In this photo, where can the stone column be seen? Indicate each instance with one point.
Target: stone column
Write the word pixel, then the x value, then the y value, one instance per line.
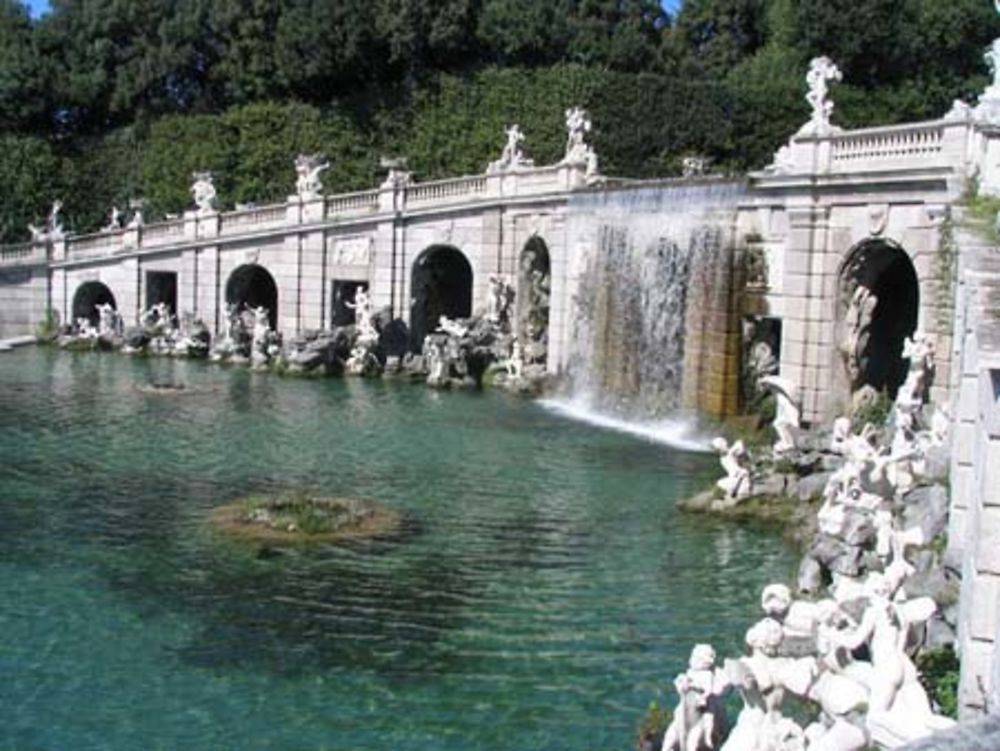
pixel 809 307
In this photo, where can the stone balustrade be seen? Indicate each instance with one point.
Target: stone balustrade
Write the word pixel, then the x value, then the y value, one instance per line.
pixel 162 233
pixel 23 254
pixel 94 245
pixel 235 222
pixel 902 144
pixel 352 204
pixel 445 191
pixel 229 224
pixel 929 145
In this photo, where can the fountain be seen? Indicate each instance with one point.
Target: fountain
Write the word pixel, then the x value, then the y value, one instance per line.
pixel 654 328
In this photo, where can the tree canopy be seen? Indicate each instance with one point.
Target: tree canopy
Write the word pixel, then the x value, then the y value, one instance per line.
pixel 101 100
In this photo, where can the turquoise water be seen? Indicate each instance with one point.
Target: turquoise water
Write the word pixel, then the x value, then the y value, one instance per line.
pixel 543 590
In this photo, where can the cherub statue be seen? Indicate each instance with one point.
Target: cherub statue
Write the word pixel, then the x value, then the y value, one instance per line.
pixel 114 220
pixel 307 169
pixel 821 71
pixel 203 191
pixel 898 708
pixel 787 414
pixel 699 721
pixel 735 461
pixel 452 327
pixel 578 125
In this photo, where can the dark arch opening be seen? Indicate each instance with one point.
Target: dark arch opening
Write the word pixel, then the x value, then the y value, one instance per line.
pixel 534 287
pixel 252 286
pixel 88 296
pixel 441 286
pixel 881 296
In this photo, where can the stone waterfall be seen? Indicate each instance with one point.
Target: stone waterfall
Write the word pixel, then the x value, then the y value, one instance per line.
pixel 654 317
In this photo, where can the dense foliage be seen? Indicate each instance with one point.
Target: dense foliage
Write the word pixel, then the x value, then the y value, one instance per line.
pixel 102 100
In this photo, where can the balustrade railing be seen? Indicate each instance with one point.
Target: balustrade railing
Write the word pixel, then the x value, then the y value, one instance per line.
pixel 162 233
pixel 21 253
pixel 260 216
pixel 345 204
pixel 895 144
pixel 94 245
pixel 445 189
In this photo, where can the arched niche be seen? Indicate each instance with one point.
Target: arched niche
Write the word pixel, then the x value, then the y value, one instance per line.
pixel 252 286
pixel 86 299
pixel 441 285
pixel 879 304
pixel 534 285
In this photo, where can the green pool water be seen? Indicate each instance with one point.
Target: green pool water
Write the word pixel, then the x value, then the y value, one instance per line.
pixel 543 591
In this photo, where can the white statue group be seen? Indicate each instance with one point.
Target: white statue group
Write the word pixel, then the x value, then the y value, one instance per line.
pixel 578 151
pixel 865 697
pixel 734 458
pixel 109 323
pixel 363 355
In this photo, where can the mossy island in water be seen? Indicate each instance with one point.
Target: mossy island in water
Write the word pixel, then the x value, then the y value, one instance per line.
pixel 303 518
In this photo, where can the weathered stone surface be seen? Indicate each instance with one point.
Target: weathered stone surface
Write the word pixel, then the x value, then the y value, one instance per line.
pixel 810 575
pixel 811 486
pixel 927 507
pixel 858 529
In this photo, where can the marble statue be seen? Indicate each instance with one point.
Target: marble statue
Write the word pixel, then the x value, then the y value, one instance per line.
pixel 760 725
pixel 86 330
pixel 735 462
pixel 512 157
pixel 307 170
pixel 261 326
pixel 821 71
pixel 857 322
pixel 54 223
pixel 920 351
pixel 891 542
pixel 904 450
pixel 699 720
pixel 52 230
pixel 110 322
pixel 937 436
pixel 499 302
pixel 987 109
pixel 515 363
pixel 787 413
pixel 841 436
pixel 203 192
pixel 694 166
pixel 363 317
pixel 452 327
pixel 435 350
pixel 992 58
pixel 898 708
pixel 114 220
pixel 578 125
pixel 797 617
pixel 137 219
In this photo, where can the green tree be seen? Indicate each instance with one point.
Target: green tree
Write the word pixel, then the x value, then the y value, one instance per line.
pixel 177 146
pixel 30 175
pixel 711 37
pixel 24 97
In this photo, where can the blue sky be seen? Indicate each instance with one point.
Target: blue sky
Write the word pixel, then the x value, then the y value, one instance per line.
pixel 40 6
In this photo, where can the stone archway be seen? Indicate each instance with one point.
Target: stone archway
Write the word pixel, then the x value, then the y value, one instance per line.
pixel 879 304
pixel 252 286
pixel 534 284
pixel 86 299
pixel 441 285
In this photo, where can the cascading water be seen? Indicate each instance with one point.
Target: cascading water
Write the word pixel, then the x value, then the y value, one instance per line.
pixel 650 303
